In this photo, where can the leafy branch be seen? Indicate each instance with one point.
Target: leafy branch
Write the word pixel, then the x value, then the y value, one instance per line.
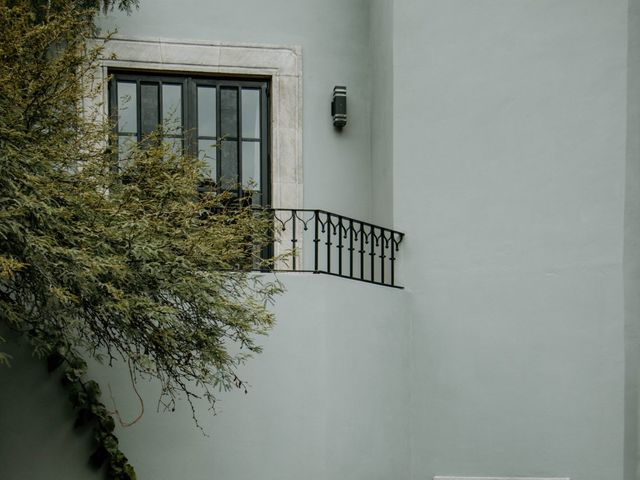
pixel 118 260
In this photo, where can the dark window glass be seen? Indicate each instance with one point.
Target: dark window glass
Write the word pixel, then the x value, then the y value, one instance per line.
pixel 149 114
pixel 229 164
pixel 229 111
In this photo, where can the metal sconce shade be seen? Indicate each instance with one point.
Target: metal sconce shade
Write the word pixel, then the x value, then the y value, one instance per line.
pixel 339 106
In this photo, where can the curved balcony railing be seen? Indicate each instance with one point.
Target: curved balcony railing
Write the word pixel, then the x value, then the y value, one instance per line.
pixel 323 242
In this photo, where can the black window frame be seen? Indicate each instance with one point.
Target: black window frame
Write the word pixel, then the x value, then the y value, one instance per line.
pixel 190 81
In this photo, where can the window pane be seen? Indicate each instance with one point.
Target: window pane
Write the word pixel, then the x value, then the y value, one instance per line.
pixel 251 165
pixel 206 111
pixel 229 111
pixel 149 107
pixel 207 153
pixel 127 107
pixel 229 164
pixel 222 111
pixel 250 113
pixel 172 108
pixel 125 144
pixel 174 144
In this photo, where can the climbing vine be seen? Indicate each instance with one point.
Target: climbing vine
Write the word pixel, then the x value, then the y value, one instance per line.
pixel 85 397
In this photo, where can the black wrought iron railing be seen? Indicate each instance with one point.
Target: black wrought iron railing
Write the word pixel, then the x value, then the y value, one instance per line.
pixel 318 241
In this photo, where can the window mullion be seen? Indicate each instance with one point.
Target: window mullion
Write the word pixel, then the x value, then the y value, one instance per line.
pixel 218 135
pixel 138 110
pixel 160 112
pixel 189 116
pixel 265 148
pixel 239 144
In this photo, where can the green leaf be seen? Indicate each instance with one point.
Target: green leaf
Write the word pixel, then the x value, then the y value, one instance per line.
pixel 5 359
pixel 129 263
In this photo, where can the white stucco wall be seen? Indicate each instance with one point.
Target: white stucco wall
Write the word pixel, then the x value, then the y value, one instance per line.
pixel 381 52
pixel 509 151
pixel 328 399
pixel 632 251
pixel 505 356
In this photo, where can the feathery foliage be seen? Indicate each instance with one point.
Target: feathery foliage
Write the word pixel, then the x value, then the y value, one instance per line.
pixel 114 263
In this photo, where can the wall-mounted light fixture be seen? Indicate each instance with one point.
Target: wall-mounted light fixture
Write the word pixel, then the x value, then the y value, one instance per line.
pixel 339 106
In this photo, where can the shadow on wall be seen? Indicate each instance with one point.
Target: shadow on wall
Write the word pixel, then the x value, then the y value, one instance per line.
pixel 36 421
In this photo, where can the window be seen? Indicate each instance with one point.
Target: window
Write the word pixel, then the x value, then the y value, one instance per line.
pixel 280 64
pixel 222 120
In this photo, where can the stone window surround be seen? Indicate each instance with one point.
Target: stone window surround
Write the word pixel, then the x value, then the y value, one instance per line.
pixel 283 64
